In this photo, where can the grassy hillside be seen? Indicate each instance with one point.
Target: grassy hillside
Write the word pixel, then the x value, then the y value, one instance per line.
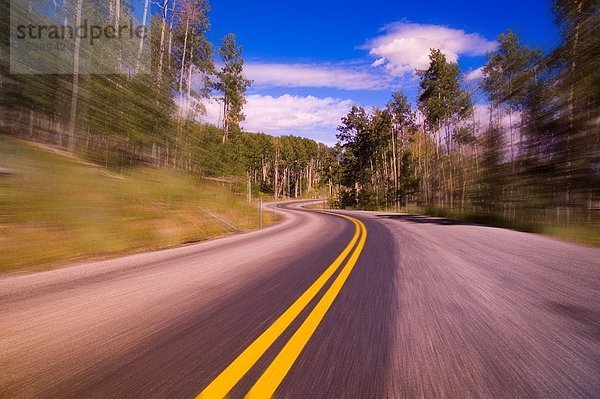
pixel 56 209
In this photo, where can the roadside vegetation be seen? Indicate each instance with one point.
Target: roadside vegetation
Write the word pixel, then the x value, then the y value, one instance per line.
pixel 56 208
pixel 528 159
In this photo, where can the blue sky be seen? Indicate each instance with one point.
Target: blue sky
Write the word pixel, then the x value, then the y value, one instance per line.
pixel 310 61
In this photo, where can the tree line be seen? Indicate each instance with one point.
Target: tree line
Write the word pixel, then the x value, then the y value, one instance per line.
pixel 131 107
pixel 533 156
pixel 154 116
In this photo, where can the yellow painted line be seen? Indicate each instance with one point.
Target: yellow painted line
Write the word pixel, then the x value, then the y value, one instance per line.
pixel 229 377
pixel 273 376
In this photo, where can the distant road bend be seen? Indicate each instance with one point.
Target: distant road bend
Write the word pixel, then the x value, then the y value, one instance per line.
pixel 345 305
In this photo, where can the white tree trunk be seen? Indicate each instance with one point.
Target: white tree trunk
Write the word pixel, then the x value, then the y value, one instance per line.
pixel 75 91
pixel 181 72
pixel 161 49
pixel 117 13
pixel 141 45
pixel 171 31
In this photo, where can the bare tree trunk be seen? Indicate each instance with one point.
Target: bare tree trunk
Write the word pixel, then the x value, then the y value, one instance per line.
pixel 572 112
pixel 161 48
pixel 276 182
pixel 225 118
pixel 141 45
pixel 189 83
pixel 75 90
pixel 187 24
pixel 296 187
pixel 464 186
pixel 117 13
pixel 180 89
pixel 395 169
pixel 31 119
pixel 249 186
pixel 171 31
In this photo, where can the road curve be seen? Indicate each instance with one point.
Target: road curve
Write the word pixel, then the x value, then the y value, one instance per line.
pixel 408 307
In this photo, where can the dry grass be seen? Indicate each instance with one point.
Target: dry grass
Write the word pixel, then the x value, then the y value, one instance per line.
pixel 56 209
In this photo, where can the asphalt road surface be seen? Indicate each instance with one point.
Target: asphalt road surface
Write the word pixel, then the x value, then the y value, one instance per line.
pixel 369 305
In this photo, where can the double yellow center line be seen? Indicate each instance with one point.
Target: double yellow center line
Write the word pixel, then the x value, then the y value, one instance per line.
pixel 275 373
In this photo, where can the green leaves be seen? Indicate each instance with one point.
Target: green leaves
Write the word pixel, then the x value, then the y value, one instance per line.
pixel 509 75
pixel 376 164
pixel 232 84
pixel 441 99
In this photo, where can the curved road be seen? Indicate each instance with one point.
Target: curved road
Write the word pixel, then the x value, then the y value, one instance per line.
pixel 363 305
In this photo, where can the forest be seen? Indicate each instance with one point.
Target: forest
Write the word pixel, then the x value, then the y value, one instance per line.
pixel 153 116
pixel 530 156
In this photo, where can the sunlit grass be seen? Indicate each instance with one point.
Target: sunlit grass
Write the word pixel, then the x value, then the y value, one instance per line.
pixel 582 234
pixel 56 209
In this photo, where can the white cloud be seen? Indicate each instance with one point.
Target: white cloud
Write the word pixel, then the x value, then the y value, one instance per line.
pixel 378 62
pixel 475 74
pixel 405 46
pixel 289 114
pixel 347 77
pixel 482 117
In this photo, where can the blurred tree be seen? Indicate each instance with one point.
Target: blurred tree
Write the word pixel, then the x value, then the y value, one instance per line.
pixel 508 77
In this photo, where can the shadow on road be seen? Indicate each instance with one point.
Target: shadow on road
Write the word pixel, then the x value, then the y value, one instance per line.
pixel 428 220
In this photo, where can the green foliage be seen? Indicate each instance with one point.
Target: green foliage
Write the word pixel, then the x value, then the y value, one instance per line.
pixel 376 164
pixel 441 98
pixel 509 74
pixel 562 114
pixel 534 166
pixel 232 84
pixel 130 119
